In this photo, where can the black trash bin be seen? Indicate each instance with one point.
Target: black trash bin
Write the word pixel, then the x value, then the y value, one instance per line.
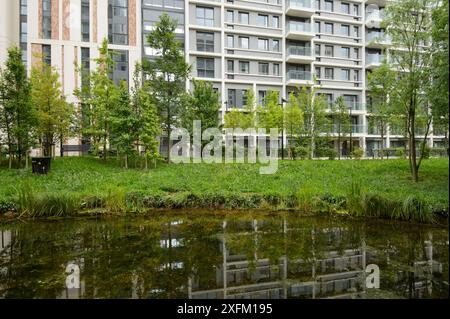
pixel 40 165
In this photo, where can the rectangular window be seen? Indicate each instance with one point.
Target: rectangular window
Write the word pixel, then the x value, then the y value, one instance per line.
pixel 85 20
pixel 205 16
pixel 230 41
pixel 329 28
pixel 231 98
pixel 318 72
pixel 329 50
pixel 317 4
pixel 345 8
pixel 263 44
pixel 356 75
pixel 275 22
pixel 205 42
pixel 230 16
pixel 329 5
pixel 243 17
pixel 329 73
pixel 263 20
pixel 85 66
pixel 329 99
pixel 244 97
pixel 263 68
pixel 118 21
pixel 317 26
pixel 276 69
pixel 205 67
pixel 345 52
pixel 276 45
pixel 317 49
pixel 230 66
pixel 47 54
pixel 356 10
pixel 355 31
pixel 345 29
pixel 244 42
pixel 244 67
pixel 262 97
pixel 47 19
pixel 356 53
pixel 121 68
pixel 345 74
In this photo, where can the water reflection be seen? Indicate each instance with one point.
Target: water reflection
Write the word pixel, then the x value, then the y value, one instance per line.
pixel 210 257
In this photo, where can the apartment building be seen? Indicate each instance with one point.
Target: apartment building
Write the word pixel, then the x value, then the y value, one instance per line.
pixel 238 45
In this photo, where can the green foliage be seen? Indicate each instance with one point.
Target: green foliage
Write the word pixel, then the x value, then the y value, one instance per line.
pixel 357 153
pixel 302 152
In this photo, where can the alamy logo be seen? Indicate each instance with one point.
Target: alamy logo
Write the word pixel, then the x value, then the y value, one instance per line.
pixel 73 279
pixel 373 276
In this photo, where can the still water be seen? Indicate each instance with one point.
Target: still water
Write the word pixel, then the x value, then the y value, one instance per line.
pixel 242 255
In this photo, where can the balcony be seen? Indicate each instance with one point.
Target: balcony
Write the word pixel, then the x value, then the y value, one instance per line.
pixel 297 54
pixel 299 8
pixel 296 77
pixel 377 40
pixel 374 17
pixel 356 129
pixel 299 31
pixel 355 106
pixel 374 60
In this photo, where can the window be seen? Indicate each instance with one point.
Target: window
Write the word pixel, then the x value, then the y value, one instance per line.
pixel 47 54
pixel 85 66
pixel 356 75
pixel 231 97
pixel 345 7
pixel 263 68
pixel 244 67
pixel 205 41
pixel 230 16
pixel 262 97
pixel 276 45
pixel 276 69
pixel 345 29
pixel 345 52
pixel 244 97
pixel 329 50
pixel 120 71
pixel 118 21
pixel 275 22
pixel 329 99
pixel 317 26
pixel 230 66
pixel 318 72
pixel 345 74
pixel 329 73
pixel 46 19
pixel 355 31
pixel 356 10
pixel 328 5
pixel 329 28
pixel 244 42
pixel 263 20
pixel 317 49
pixel 85 20
pixel 205 67
pixel 230 41
pixel 263 44
pixel 243 17
pixel 205 16
pixel 356 53
pixel 317 4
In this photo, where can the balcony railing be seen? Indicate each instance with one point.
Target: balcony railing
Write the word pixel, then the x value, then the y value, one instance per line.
pixel 298 75
pixel 299 27
pixel 296 50
pixel 378 37
pixel 374 58
pixel 356 128
pixel 299 4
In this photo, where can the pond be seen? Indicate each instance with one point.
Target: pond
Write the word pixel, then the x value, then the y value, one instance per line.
pixel 239 255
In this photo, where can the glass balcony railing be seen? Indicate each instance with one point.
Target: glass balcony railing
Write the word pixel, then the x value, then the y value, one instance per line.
pixel 299 27
pixel 298 75
pixel 298 4
pixel 378 37
pixel 296 50
pixel 374 58
pixel 355 106
pixel 356 128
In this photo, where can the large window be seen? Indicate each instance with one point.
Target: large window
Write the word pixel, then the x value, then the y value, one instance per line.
pixel 345 7
pixel 345 29
pixel 23 29
pixel 329 28
pixel 345 52
pixel 275 22
pixel 276 69
pixel 121 69
pixel 263 68
pixel 230 41
pixel 118 21
pixel 243 17
pixel 205 67
pixel 85 20
pixel 328 5
pixel 230 16
pixel 276 45
pixel 329 50
pixel 85 66
pixel 205 41
pixel 205 16
pixel 263 44
pixel 231 97
pixel 329 73
pixel 244 42
pixel 47 54
pixel 263 20
pixel 230 66
pixel 47 19
pixel 345 74
pixel 244 67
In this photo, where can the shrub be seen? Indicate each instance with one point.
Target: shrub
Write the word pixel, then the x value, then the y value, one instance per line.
pixel 357 153
pixel 332 153
pixel 7 206
pixel 302 152
pixel 426 152
pixel 400 152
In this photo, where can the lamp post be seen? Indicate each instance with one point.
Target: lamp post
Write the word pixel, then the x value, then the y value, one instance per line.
pixel 283 100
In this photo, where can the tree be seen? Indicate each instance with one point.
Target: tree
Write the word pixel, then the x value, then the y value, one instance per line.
pixel 166 73
pixel 271 115
pixel 54 115
pixel 150 129
pixel 202 104
pixel 341 119
pixel 98 98
pixel 293 121
pixel 243 119
pixel 17 116
pixel 124 124
pixel 408 24
pixel 313 107
pixel 381 85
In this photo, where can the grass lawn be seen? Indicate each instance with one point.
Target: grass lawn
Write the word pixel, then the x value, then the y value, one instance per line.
pixel 91 177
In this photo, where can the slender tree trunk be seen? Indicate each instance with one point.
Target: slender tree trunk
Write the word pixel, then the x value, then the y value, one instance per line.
pixel 146 161
pixel 61 144
pixel 126 161
pixel 412 145
pixel 382 141
pixel 339 141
